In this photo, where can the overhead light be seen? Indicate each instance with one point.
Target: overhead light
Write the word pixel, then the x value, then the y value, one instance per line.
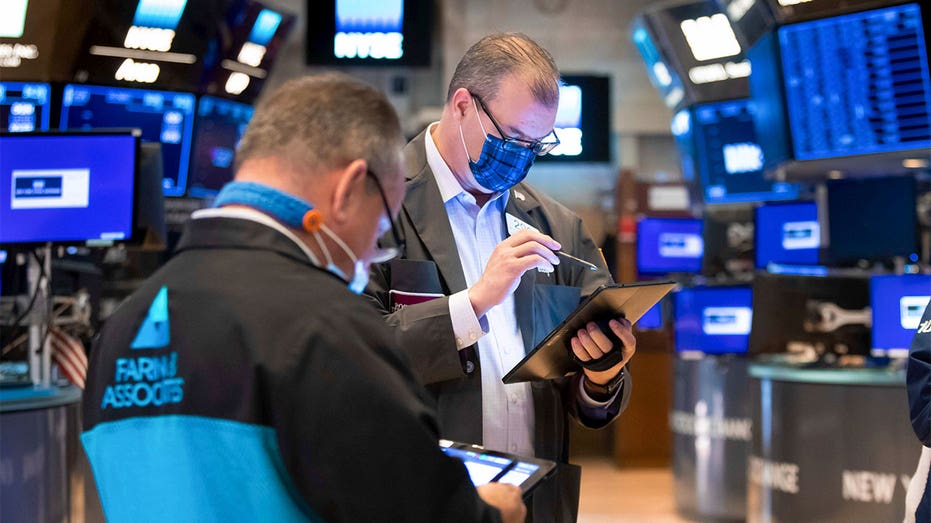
pixel 915 163
pixel 710 37
pixel 13 18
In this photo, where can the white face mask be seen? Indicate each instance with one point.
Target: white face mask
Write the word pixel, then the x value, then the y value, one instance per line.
pixel 360 276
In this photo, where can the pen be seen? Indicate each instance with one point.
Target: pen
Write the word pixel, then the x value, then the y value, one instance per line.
pixel 591 266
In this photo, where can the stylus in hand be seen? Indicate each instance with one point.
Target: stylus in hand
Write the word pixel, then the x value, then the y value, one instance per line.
pixel 591 266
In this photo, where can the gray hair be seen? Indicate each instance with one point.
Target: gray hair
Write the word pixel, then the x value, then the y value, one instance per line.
pixel 498 55
pixel 322 122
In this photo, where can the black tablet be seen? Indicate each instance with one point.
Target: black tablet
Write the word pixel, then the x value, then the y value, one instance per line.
pixel 487 466
pixel 552 357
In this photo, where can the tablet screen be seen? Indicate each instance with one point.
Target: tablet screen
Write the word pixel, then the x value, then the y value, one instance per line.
pixel 482 468
pixel 486 466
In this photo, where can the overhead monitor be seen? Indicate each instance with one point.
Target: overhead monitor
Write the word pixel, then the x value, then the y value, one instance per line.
pixel 667 245
pixel 255 33
pixel 163 116
pixel 369 32
pixel 697 41
pixel 729 158
pixel 663 77
pixel 219 127
pixel 872 219
pixel 713 320
pixel 787 233
pixel 857 83
pixel 898 303
pixel 82 193
pixel 751 19
pixel 583 120
pixel 24 107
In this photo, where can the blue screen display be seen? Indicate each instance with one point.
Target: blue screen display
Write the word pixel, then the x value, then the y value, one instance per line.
pixel 787 233
pixel 667 245
pixel 24 107
pixel 220 125
pixel 872 219
pixel 653 318
pixel 162 116
pixel 713 320
pixel 857 83
pixel 898 303
pixel 82 192
pixel 729 158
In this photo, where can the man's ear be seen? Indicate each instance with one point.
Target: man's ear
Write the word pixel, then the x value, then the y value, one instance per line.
pixel 461 103
pixel 349 191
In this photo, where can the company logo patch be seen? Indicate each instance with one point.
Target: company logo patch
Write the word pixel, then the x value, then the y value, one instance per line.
pixel 155 332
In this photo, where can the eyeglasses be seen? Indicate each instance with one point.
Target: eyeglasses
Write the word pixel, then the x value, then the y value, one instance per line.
pixel 539 147
pixel 398 242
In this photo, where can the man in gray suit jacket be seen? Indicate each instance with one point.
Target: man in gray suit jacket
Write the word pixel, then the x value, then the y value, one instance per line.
pixel 479 282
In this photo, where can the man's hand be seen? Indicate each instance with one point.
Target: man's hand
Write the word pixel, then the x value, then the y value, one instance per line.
pixel 509 261
pixel 507 499
pixel 591 344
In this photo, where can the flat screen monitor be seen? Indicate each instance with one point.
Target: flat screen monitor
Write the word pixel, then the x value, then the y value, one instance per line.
pixel 857 83
pixel 165 117
pixel 787 233
pixel 872 219
pixel 898 303
pixel 666 245
pixel 583 120
pixel 82 193
pixel 219 126
pixel 713 320
pixel 826 314
pixel 369 32
pixel 729 158
pixel 24 107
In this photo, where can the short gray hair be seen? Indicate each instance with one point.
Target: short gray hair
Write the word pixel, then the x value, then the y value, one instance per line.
pixel 498 55
pixel 323 122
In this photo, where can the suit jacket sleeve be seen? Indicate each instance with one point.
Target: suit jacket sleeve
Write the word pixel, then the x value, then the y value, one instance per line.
pixel 918 380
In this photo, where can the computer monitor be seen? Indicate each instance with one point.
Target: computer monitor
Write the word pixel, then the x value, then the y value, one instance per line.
pixel 219 126
pixel 872 219
pixel 787 233
pixel 825 313
pixel 24 107
pixel 166 117
pixel 713 320
pixel 370 32
pixel 857 83
pixel 666 245
pixel 898 303
pixel 82 193
pixel 729 158
pixel 651 319
pixel 583 120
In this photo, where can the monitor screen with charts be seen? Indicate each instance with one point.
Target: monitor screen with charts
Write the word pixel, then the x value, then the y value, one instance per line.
pixel 84 192
pixel 24 107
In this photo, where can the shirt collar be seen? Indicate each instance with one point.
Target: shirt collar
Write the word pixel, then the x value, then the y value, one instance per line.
pixel 445 179
pixel 258 217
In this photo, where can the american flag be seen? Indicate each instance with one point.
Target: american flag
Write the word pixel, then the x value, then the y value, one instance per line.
pixel 68 352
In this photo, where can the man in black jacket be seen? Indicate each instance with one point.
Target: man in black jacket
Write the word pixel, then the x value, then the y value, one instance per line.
pixel 245 380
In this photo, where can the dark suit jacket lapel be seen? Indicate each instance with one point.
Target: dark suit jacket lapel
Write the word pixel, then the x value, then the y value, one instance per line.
pixel 520 205
pixel 423 203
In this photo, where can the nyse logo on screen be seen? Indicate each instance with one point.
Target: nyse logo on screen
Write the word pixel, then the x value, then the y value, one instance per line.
pixel 369 29
pixel 50 189
pixel 801 235
pixel 911 309
pixel 729 321
pixel 680 245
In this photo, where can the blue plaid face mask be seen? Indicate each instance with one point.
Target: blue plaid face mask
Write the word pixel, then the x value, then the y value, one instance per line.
pixel 501 165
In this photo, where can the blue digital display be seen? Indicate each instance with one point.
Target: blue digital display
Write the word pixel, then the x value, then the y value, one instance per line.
pixel 24 107
pixel 82 192
pixel 370 16
pixel 266 24
pixel 160 14
pixel 652 319
pixel 667 245
pixel 713 320
pixel 220 126
pixel 857 83
pixel 898 303
pixel 165 117
pixel 787 234
pixel 729 159
pixel 662 77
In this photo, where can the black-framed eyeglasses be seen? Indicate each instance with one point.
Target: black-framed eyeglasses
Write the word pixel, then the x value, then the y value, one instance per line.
pixel 539 147
pixel 398 242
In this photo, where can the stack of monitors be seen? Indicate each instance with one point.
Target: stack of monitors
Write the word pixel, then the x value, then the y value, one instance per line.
pixel 165 117
pixel 898 303
pixel 219 127
pixel 857 83
pixel 81 193
pixel 669 245
pixel 713 320
pixel 24 107
pixel 787 233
